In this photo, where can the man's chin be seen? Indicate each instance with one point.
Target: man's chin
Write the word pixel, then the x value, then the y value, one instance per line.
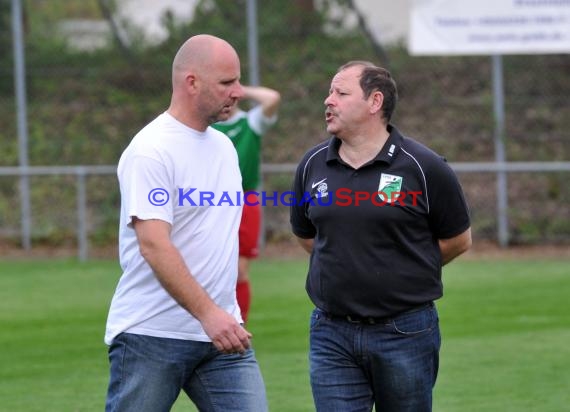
pixel 222 116
pixel 225 113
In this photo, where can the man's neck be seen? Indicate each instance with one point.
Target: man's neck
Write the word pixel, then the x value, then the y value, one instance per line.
pixel 360 150
pixel 187 119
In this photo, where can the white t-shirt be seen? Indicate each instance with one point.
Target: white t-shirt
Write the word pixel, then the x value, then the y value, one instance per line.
pixel 168 162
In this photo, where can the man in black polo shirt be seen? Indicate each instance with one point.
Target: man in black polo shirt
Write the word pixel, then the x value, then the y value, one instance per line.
pixel 380 215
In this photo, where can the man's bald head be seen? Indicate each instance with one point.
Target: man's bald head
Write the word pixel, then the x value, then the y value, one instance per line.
pixel 205 81
pixel 198 54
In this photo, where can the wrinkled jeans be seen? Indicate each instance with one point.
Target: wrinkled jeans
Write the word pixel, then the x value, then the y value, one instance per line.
pixel 147 374
pixel 392 364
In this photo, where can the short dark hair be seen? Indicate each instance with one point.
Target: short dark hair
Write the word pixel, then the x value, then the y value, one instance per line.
pixel 376 78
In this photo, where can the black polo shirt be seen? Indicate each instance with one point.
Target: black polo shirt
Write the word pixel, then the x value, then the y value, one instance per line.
pixel 376 228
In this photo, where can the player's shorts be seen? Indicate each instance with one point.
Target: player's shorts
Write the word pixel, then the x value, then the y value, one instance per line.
pixel 249 230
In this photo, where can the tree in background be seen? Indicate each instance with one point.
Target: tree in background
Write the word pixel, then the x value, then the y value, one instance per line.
pixel 5 47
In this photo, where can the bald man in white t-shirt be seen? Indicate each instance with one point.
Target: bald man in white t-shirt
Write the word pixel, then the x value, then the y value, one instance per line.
pixel 174 323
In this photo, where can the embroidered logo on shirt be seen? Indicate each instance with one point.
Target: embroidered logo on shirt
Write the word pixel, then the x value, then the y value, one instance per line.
pixel 313 185
pixel 390 187
pixel 322 188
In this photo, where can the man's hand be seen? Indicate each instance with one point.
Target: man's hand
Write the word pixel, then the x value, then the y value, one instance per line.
pixel 227 335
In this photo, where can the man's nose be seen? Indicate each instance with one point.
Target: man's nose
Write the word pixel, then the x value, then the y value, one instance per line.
pixel 238 93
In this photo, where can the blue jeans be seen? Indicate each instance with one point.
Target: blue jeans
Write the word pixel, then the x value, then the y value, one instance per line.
pixel 147 374
pixel 392 365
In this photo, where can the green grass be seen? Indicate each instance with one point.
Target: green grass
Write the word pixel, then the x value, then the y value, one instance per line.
pixel 505 325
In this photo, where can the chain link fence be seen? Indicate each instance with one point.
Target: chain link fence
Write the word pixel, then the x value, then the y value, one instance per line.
pixel 84 106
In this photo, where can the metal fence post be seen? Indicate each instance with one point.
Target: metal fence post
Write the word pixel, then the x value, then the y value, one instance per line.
pixel 254 80
pixel 21 118
pixel 499 110
pixel 82 240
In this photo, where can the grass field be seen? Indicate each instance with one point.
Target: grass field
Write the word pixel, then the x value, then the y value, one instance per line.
pixel 505 325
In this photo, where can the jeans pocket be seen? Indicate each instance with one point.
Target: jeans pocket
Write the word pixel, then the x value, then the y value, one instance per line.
pixel 416 322
pixel 316 317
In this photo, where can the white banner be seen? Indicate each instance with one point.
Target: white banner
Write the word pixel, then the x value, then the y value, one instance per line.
pixel 471 27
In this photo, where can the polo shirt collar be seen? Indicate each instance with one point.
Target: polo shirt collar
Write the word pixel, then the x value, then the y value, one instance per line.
pixel 387 154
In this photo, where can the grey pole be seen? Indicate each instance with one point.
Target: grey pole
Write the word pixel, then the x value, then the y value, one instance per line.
pixel 82 238
pixel 254 78
pixel 252 43
pixel 499 111
pixel 21 117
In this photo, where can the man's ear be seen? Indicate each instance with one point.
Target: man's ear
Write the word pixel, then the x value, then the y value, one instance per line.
pixel 376 102
pixel 191 83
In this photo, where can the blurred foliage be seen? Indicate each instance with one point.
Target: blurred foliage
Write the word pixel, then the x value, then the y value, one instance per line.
pixel 84 107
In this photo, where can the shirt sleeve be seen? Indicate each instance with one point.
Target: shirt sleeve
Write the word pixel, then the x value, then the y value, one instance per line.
pixel 146 190
pixel 301 225
pixel 449 213
pixel 258 122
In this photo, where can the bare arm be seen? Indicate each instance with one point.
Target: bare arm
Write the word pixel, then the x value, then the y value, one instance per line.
pixel 269 99
pixel 306 244
pixel 455 246
pixel 173 274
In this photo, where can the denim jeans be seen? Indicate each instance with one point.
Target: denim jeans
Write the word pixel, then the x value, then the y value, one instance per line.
pixel 147 374
pixel 392 365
